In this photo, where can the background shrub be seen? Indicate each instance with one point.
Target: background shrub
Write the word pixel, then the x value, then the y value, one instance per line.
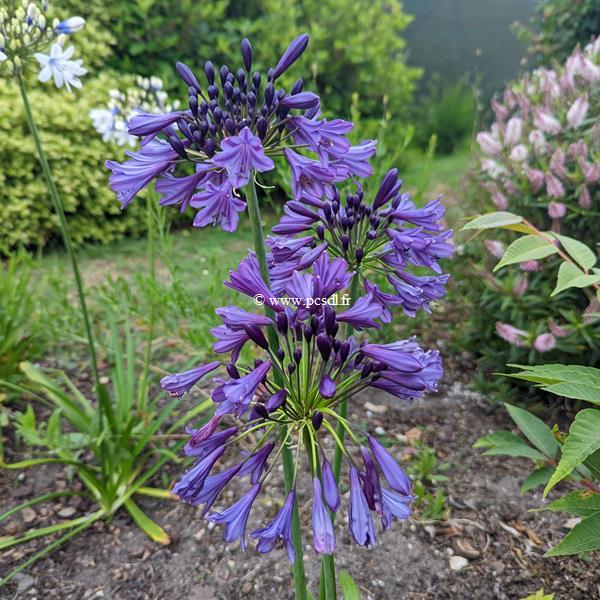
pixel 539 160
pixel 558 25
pixel 76 154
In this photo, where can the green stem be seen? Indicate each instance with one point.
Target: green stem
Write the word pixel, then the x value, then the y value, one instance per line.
pixel 343 406
pixel 287 456
pixel 151 256
pixel 64 226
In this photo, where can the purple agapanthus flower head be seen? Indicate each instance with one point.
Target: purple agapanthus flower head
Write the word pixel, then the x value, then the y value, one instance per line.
pixel 233 127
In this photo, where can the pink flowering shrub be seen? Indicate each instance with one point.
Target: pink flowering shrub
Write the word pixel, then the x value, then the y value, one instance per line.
pixel 540 159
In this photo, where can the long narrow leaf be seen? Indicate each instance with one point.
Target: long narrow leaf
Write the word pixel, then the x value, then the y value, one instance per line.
pixel 148 526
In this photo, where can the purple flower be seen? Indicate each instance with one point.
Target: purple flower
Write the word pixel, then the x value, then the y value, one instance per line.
pixel 148 124
pixel 544 342
pixel 399 356
pixel 327 387
pixel 511 334
pixel 394 506
pixel 133 175
pixel 330 488
pixel 235 517
pixel 331 275
pixel 417 292
pixel 371 485
pixel 219 206
pixel 357 159
pixel 276 400
pixel 248 280
pixel 257 463
pixel 326 138
pixel 229 340
pixel 301 100
pixel 290 56
pixel 235 396
pixel 363 313
pixel 237 318
pixel 240 154
pixel 178 190
pixel 181 383
pixel 384 299
pixel 213 486
pixel 427 217
pixel 201 447
pixel 323 534
pixel 393 473
pixel 284 248
pixel 193 479
pixel 280 528
pixel 360 522
pixel 310 178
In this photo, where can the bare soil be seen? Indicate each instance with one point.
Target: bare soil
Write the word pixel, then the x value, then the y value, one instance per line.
pixel 489 522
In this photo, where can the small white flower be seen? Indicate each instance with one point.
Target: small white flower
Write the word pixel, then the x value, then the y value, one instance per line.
pixel 59 66
pixel 519 153
pixel 104 122
pixel 3 56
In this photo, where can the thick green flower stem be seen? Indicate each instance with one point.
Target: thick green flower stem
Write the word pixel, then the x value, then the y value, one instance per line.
pixel 287 456
pixel 64 227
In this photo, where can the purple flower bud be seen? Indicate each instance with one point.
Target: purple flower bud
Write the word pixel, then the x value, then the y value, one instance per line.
pixel 297 87
pixel 359 254
pixel 297 355
pixel 291 368
pixel 280 355
pixel 276 400
pixel 317 420
pixel 179 384
pixel 256 80
pixel 223 73
pixel 393 473
pixel 344 351
pixel 247 54
pixel 205 431
pixel 371 485
pixel 387 188
pixel 323 534
pixel 261 411
pixel 256 335
pixel 186 74
pixel 290 56
pixel 327 387
pixel 194 105
pixel 261 127
pixel 324 345
pixel 232 371
pixel 269 94
pixel 330 488
pixel 282 323
pixel 300 100
pixel 209 71
pixel 329 320
pixel 256 464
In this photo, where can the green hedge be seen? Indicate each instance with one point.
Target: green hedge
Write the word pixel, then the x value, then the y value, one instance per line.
pixel 76 154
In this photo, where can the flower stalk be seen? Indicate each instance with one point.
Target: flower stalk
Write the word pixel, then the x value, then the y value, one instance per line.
pixel 287 455
pixel 64 226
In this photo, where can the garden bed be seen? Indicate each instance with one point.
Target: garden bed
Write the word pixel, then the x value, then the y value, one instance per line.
pixel 490 546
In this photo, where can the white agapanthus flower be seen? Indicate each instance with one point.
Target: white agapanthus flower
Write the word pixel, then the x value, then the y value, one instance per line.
pixel 58 65
pixel 3 56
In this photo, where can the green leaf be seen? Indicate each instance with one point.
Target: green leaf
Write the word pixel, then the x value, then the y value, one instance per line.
pixel 528 247
pixel 154 531
pixel 577 391
pixel 522 450
pixel 539 595
pixel 584 537
pixel 535 478
pixel 349 587
pixel 534 429
pixel 579 252
pixel 570 275
pixel 498 438
pixel 592 463
pixel 582 503
pixel 491 220
pixel 582 441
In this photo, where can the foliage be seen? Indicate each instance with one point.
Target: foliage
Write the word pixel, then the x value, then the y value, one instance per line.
pixel 448 112
pixel 20 332
pixel 539 160
pixel 579 449
pixel 369 59
pixel 112 448
pixel 76 154
pixel 557 26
